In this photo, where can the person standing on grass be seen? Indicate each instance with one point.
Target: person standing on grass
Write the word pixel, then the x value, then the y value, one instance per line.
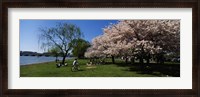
pixel 75 63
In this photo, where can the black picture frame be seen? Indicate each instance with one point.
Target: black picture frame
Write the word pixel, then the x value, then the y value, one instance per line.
pixel 194 4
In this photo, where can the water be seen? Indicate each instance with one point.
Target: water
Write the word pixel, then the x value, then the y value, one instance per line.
pixel 25 60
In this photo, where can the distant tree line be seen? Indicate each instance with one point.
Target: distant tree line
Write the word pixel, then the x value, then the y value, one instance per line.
pixel 30 53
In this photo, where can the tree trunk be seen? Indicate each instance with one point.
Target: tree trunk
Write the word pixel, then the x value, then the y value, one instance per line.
pixel 103 61
pixel 93 60
pixel 162 58
pixel 148 58
pixel 64 56
pixel 141 60
pixel 142 56
pixel 142 63
pixel 132 60
pixel 113 60
pixel 157 60
pixel 79 56
pixel 90 59
pixel 126 60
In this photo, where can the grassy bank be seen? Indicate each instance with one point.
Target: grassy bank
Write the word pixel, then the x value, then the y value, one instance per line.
pixel 119 69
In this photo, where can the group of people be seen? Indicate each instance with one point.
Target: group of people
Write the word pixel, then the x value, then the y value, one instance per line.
pixel 75 62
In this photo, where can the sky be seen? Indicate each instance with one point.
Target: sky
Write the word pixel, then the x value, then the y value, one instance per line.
pixel 29 30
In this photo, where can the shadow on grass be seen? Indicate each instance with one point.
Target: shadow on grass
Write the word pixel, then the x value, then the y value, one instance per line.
pixel 166 69
pixel 81 70
pixel 153 69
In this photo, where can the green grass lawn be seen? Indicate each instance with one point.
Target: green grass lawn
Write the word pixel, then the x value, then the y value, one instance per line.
pixel 119 69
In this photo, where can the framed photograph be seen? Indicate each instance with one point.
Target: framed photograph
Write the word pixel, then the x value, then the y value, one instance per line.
pixel 98 48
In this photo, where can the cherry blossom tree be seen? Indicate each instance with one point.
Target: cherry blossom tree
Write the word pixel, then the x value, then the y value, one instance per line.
pixel 97 50
pixel 138 38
